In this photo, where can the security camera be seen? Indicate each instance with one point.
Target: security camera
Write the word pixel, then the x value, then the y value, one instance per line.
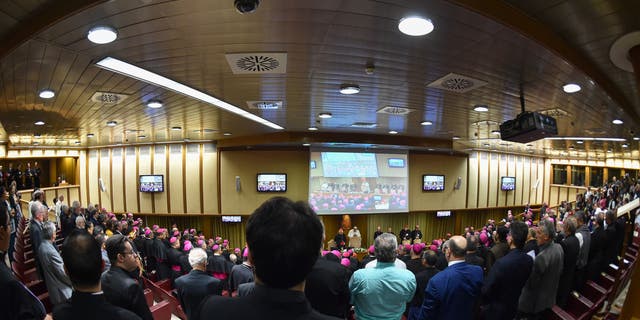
pixel 246 6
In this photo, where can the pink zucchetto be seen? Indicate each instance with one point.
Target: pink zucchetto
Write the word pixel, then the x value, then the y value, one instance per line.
pixel 225 241
pixel 130 215
pixel 192 231
pixel 200 243
pixel 346 254
pixel 417 248
pixel 173 240
pixel 483 237
pixel 433 247
pixel 176 233
pixel 147 232
pixel 215 247
pixel 345 262
pixel 236 250
pixel 324 252
pixel 135 223
pixel 187 246
pixel 407 247
pixel 336 253
pixel 372 249
pixel 245 252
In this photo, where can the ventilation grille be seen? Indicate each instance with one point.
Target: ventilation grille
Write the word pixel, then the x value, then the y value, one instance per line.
pixel 367 125
pixel 394 110
pixel 457 83
pixel 556 113
pixel 264 105
pixel 257 63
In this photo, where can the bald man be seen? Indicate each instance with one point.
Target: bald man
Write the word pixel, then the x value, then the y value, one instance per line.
pixel 451 294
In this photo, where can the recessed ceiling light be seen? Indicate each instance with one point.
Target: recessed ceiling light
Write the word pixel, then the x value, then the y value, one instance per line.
pixel 313 128
pixel 636 138
pixel 77 142
pixel 617 121
pixel 349 88
pixel 609 151
pixel 579 142
pixel 37 135
pixel 415 26
pixel 90 135
pixel 39 123
pixel 571 88
pixel 496 132
pixel 426 123
pixel 102 34
pixel 142 136
pixel 481 108
pixel 154 104
pixel 176 128
pixel 36 143
pixel 571 147
pixel 306 144
pixel 624 145
pixel 227 133
pixel 393 132
pixel 47 94
pixel 529 145
pixel 455 138
pixel 147 76
pixel 325 115
pixel 487 145
pixel 112 123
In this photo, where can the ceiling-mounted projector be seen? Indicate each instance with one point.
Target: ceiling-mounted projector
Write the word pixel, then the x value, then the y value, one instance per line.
pixel 528 127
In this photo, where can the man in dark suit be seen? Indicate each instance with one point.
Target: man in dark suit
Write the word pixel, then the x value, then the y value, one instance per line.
pixel 452 293
pixel 571 249
pixel 16 301
pixel 281 265
pixel 82 258
pixel 327 288
pixel 197 284
pixel 119 287
pixel 504 282
pixel 429 259
pixel 597 249
pixel 472 256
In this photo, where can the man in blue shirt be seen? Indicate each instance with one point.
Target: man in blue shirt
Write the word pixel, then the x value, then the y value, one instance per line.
pixel 382 292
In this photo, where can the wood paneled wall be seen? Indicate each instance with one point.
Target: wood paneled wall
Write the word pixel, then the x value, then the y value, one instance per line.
pixel 451 167
pixel 189 171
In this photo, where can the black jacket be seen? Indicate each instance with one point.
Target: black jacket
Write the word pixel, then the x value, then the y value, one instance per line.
pixel 571 248
pixel 193 287
pixel 327 288
pixel 90 306
pixel 16 301
pixel 123 291
pixel 503 285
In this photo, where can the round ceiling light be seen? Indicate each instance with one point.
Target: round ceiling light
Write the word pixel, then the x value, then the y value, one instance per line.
pixel 415 26
pixel 325 115
pixel 617 121
pixel 142 136
pixel 455 138
pixel 313 128
pixel 102 34
pixel 227 134
pixel 306 144
pixel 112 123
pixel 481 108
pixel 571 88
pixel 39 123
pixel 426 123
pixel 154 104
pixel 47 94
pixel 496 132
pixel 349 89
pixel 393 132
pixel 176 128
pixel 636 138
pixel 90 135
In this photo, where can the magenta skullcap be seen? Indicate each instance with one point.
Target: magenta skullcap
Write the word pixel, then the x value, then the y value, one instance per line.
pixel 147 232
pixel 483 237
pixel 187 245
pixel 225 241
pixel 346 254
pixel 324 252
pixel 173 240
pixel 372 249
pixel 417 248
pixel 155 227
pixel 193 231
pixel 215 247
pixel 236 250
pixel 135 228
pixel 245 252
pixel 176 233
pixel 433 247
pixel 407 247
pixel 336 253
pixel 528 223
pixel 345 262
pixel 135 223
pixel 130 215
pixel 200 243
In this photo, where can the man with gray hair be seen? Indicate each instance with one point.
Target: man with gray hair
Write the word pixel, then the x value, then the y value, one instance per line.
pixel 58 283
pixel 539 293
pixel 81 223
pixel 382 292
pixel 197 284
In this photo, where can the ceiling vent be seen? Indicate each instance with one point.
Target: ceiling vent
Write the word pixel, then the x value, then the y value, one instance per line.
pixel 394 110
pixel 364 125
pixel 457 83
pixel 257 63
pixel 556 113
pixel 264 105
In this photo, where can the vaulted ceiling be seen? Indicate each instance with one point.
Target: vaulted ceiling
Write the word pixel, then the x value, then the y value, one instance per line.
pixel 498 48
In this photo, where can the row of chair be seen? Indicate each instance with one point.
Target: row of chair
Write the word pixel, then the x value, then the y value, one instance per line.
pixel 164 296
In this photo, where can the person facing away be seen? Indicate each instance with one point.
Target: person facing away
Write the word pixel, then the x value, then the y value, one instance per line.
pixel 452 293
pixel 281 265
pixel 119 287
pixel 83 263
pixel 502 286
pixel 382 292
pixel 197 284
pixel 429 259
pixel 58 284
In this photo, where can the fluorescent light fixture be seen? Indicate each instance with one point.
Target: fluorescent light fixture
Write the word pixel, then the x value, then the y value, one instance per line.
pixel 37 135
pixel 586 139
pixel 154 104
pixel 142 136
pixel 415 26
pixel 487 145
pixel 47 94
pixel 636 138
pixel 306 144
pixel 227 133
pixel 36 143
pixel 325 115
pixel 617 121
pixel 349 88
pixel 426 123
pixel 132 71
pixel 77 142
pixel 112 123
pixel 579 141
pixel 90 135
pixel 313 128
pixel 176 128
pixel 393 132
pixel 102 34
pixel 481 108
pixel 624 145
pixel 571 88
pixel 496 132
pixel 39 123
pixel 455 138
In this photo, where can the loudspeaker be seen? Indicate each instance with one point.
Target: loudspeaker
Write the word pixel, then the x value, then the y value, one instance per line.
pixel 238 186
pixel 458 183
pixel 101 185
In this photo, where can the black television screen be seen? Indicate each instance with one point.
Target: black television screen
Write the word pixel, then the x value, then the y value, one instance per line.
pixel 395 162
pixel 432 182
pixel 272 182
pixel 151 183
pixel 507 183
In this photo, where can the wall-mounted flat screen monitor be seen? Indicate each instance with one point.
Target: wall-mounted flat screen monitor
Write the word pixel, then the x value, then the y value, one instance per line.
pixel 507 183
pixel 312 164
pixel 231 219
pixel 396 163
pixel 151 183
pixel 352 181
pixel 272 182
pixel 432 182
pixel 446 213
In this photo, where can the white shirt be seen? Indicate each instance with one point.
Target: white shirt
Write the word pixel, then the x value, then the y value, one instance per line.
pixel 354 233
pixel 398 263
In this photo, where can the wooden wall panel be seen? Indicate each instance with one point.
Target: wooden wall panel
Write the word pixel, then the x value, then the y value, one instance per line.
pixel 511 171
pixel 451 167
pixel 545 175
pixel 526 180
pixel 144 167
pixel 174 171
pixel 93 177
pixel 131 179
pixel 105 174
pixel 117 184
pixel 192 178
pixel 493 188
pixel 73 195
pixel 563 195
pixel 160 199
pixel 210 178
pixel 82 166
pixel 472 181
pixel 484 180
pixel 518 167
pixel 503 160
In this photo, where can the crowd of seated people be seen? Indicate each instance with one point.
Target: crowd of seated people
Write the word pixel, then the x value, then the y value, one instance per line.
pixel 274 276
pixel 324 202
